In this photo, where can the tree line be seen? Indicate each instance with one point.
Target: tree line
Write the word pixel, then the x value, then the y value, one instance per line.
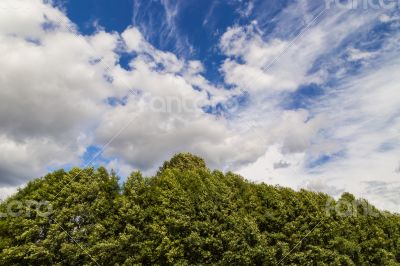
pixel 188 215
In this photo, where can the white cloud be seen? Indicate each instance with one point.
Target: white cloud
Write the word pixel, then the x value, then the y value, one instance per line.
pixel 167 118
pixel 266 64
pixel 263 170
pixel 52 92
pixel 385 18
pixel 367 126
pixel 355 124
pixel 134 40
pixel 55 84
pixel 21 160
pixel 6 192
pixel 357 55
pixel 162 25
pixel 320 185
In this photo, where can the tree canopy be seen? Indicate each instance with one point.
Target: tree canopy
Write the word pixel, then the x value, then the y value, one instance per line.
pixel 189 215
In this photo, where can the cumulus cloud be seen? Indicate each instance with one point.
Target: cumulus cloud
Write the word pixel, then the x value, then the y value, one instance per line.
pixel 167 114
pixel 57 85
pixel 51 89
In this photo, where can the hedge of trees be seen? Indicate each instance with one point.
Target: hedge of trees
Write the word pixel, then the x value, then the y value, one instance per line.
pixel 189 215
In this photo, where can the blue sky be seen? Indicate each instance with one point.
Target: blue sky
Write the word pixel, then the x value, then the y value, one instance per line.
pixel 300 93
pixel 193 32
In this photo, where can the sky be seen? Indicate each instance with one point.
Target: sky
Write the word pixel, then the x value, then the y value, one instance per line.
pixel 303 94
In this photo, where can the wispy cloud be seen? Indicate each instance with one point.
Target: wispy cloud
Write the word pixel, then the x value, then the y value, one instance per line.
pixel 357 112
pixel 158 23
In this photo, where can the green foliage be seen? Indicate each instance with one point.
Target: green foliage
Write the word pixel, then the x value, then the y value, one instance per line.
pixel 184 162
pixel 189 215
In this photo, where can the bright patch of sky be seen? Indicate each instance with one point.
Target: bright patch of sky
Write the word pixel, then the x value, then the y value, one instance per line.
pixel 301 93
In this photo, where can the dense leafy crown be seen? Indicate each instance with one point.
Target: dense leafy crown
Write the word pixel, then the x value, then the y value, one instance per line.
pixel 189 215
pixel 184 162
